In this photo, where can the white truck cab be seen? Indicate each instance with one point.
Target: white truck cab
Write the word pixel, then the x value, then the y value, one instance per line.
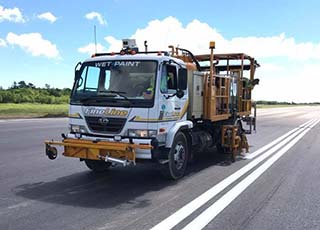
pixel 128 98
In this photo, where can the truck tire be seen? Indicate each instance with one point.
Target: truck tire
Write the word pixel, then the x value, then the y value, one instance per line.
pixel 177 158
pixel 97 165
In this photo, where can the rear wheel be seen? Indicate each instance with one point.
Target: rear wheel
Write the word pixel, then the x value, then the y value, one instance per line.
pixel 97 165
pixel 177 158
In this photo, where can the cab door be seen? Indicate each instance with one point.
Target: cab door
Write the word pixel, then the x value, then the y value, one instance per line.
pixel 171 107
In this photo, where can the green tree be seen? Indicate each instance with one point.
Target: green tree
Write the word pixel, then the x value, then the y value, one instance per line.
pixel 22 84
pixel 28 93
pixel 32 86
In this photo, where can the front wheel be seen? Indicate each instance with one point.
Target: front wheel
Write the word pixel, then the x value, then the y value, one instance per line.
pixel 97 165
pixel 177 158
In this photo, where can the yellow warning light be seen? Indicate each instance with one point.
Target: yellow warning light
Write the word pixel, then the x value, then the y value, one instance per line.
pixel 212 45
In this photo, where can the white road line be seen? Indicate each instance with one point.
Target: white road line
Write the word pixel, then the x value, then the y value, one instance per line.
pixel 210 213
pixel 261 150
pixel 20 205
pixel 189 208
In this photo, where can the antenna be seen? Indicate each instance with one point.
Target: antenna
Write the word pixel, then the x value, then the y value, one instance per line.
pixel 95 38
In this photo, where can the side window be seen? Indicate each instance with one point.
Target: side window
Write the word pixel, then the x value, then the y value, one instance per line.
pixel 163 83
pixel 168 78
pixel 107 80
pixel 81 81
pixel 172 77
pixel 92 78
pixel 89 79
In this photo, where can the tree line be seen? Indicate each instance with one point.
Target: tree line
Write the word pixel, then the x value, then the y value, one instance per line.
pixel 22 92
pixel 284 103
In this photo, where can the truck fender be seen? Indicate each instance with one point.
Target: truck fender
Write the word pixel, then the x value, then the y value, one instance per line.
pixel 176 128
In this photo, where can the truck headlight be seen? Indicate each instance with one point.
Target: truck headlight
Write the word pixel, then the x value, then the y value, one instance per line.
pixel 77 129
pixel 142 133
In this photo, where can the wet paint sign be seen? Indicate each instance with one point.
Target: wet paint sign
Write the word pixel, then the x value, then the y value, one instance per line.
pixel 118 63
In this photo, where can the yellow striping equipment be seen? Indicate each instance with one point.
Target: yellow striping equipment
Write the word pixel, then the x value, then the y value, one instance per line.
pixel 95 150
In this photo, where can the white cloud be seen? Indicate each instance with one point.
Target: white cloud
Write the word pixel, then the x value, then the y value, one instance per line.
pixel 47 16
pixel 96 15
pixel 276 46
pixel 33 43
pixel 270 67
pixel 280 81
pixel 295 82
pixel 2 42
pixel 114 44
pixel 196 35
pixel 91 49
pixel 12 15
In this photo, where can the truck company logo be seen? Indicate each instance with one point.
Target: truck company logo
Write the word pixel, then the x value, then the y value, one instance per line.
pixel 106 112
pixel 118 63
pixel 103 121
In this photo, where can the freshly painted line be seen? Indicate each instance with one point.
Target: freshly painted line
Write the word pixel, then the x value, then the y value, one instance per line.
pixel 210 213
pixel 20 205
pixel 189 208
pixel 261 150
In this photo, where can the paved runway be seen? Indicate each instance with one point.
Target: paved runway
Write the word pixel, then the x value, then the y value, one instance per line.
pixel 276 186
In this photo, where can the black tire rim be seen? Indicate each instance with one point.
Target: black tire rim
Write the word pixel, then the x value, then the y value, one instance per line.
pixel 179 156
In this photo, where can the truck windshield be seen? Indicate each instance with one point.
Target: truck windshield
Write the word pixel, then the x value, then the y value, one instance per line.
pixel 115 82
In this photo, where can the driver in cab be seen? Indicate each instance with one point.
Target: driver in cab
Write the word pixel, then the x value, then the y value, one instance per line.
pixel 149 92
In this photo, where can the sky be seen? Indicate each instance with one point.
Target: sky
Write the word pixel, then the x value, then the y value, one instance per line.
pixel 42 41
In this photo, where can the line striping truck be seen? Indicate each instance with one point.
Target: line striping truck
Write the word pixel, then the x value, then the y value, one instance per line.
pixel 165 107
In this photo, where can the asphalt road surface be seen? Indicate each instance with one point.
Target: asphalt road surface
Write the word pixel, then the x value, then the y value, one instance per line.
pixel 275 186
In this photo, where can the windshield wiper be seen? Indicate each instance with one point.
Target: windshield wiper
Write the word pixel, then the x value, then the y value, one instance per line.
pixel 119 93
pixel 95 98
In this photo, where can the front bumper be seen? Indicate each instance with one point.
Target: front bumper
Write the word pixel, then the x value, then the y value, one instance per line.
pixel 97 149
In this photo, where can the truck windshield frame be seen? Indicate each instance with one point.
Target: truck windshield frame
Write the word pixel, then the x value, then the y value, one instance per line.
pixel 123 83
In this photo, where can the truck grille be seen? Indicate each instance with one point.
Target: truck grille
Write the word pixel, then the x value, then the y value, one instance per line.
pixel 114 125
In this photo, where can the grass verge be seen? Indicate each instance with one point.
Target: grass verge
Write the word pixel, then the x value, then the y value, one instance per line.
pixel 8 110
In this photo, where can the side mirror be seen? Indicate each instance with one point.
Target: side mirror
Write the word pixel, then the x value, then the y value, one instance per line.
pixel 182 79
pixel 77 71
pixel 76 75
